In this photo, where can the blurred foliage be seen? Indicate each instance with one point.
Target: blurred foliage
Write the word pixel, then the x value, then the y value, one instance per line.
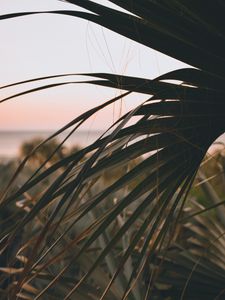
pixel 194 244
pixel 28 200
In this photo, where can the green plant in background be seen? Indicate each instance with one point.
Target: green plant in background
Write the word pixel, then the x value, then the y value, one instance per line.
pixel 193 265
pixel 82 264
pixel 177 124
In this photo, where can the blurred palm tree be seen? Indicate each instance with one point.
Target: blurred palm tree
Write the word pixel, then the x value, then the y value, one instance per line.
pixel 177 123
pixel 43 153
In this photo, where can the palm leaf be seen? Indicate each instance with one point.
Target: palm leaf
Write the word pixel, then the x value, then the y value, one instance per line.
pixel 176 126
pixel 193 266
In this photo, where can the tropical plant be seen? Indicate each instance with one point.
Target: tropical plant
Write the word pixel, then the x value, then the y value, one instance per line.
pixel 192 267
pixel 176 125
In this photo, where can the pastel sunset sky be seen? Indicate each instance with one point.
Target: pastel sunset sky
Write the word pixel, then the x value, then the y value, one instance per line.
pixel 42 45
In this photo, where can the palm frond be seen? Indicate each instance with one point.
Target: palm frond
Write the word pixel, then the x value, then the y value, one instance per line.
pixel 176 125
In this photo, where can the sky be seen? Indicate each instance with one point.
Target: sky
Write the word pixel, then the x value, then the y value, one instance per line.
pixel 42 45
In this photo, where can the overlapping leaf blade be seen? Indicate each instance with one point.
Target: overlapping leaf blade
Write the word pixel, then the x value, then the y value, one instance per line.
pixel 178 124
